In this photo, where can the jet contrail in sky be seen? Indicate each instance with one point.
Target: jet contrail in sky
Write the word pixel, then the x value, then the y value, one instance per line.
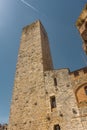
pixel 29 5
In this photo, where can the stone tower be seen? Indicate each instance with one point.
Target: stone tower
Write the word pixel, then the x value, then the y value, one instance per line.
pixel 28 105
pixel 44 98
pixel 82 27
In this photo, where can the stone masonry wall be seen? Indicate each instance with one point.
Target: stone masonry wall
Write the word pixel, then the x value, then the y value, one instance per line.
pixel 43 97
pixel 79 81
pixel 28 108
pixel 67 113
pixel 81 25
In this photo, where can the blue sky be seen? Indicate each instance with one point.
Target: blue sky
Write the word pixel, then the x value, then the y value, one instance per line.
pixel 58 18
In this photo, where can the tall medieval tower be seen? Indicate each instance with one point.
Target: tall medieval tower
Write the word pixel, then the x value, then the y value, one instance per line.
pixel 44 98
pixel 28 105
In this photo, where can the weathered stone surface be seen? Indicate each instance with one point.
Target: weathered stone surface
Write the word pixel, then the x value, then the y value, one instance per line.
pixel 81 24
pixel 36 82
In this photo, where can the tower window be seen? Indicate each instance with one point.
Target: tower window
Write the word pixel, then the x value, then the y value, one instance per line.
pixel 86 24
pixel 56 127
pixel 53 102
pixel 85 88
pixel 55 81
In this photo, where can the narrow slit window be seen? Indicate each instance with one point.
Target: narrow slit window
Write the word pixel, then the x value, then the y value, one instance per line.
pixel 56 127
pixel 55 81
pixel 85 88
pixel 53 102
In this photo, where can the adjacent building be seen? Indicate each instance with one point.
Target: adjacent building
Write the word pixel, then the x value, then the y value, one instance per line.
pixel 82 27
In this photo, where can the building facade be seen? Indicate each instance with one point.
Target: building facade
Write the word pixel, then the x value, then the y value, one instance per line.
pixel 45 98
pixel 3 126
pixel 82 27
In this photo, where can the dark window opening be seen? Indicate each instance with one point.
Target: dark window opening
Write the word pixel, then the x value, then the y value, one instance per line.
pixel 84 35
pixel 85 70
pixel 76 73
pixel 86 24
pixel 55 81
pixel 53 102
pixel 85 41
pixel 56 127
pixel 85 88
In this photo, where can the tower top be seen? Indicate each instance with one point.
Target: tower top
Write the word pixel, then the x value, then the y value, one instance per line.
pixel 34 24
pixel 82 17
pixel 35 44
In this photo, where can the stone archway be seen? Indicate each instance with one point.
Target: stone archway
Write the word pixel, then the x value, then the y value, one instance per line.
pixel 81 95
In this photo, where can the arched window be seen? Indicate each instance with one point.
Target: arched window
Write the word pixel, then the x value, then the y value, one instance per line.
pixel 85 88
pixel 81 95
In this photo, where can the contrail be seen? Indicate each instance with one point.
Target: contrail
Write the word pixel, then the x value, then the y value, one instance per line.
pixel 29 5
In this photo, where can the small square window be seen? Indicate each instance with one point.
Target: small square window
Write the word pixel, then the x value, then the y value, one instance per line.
pixel 53 102
pixel 56 127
